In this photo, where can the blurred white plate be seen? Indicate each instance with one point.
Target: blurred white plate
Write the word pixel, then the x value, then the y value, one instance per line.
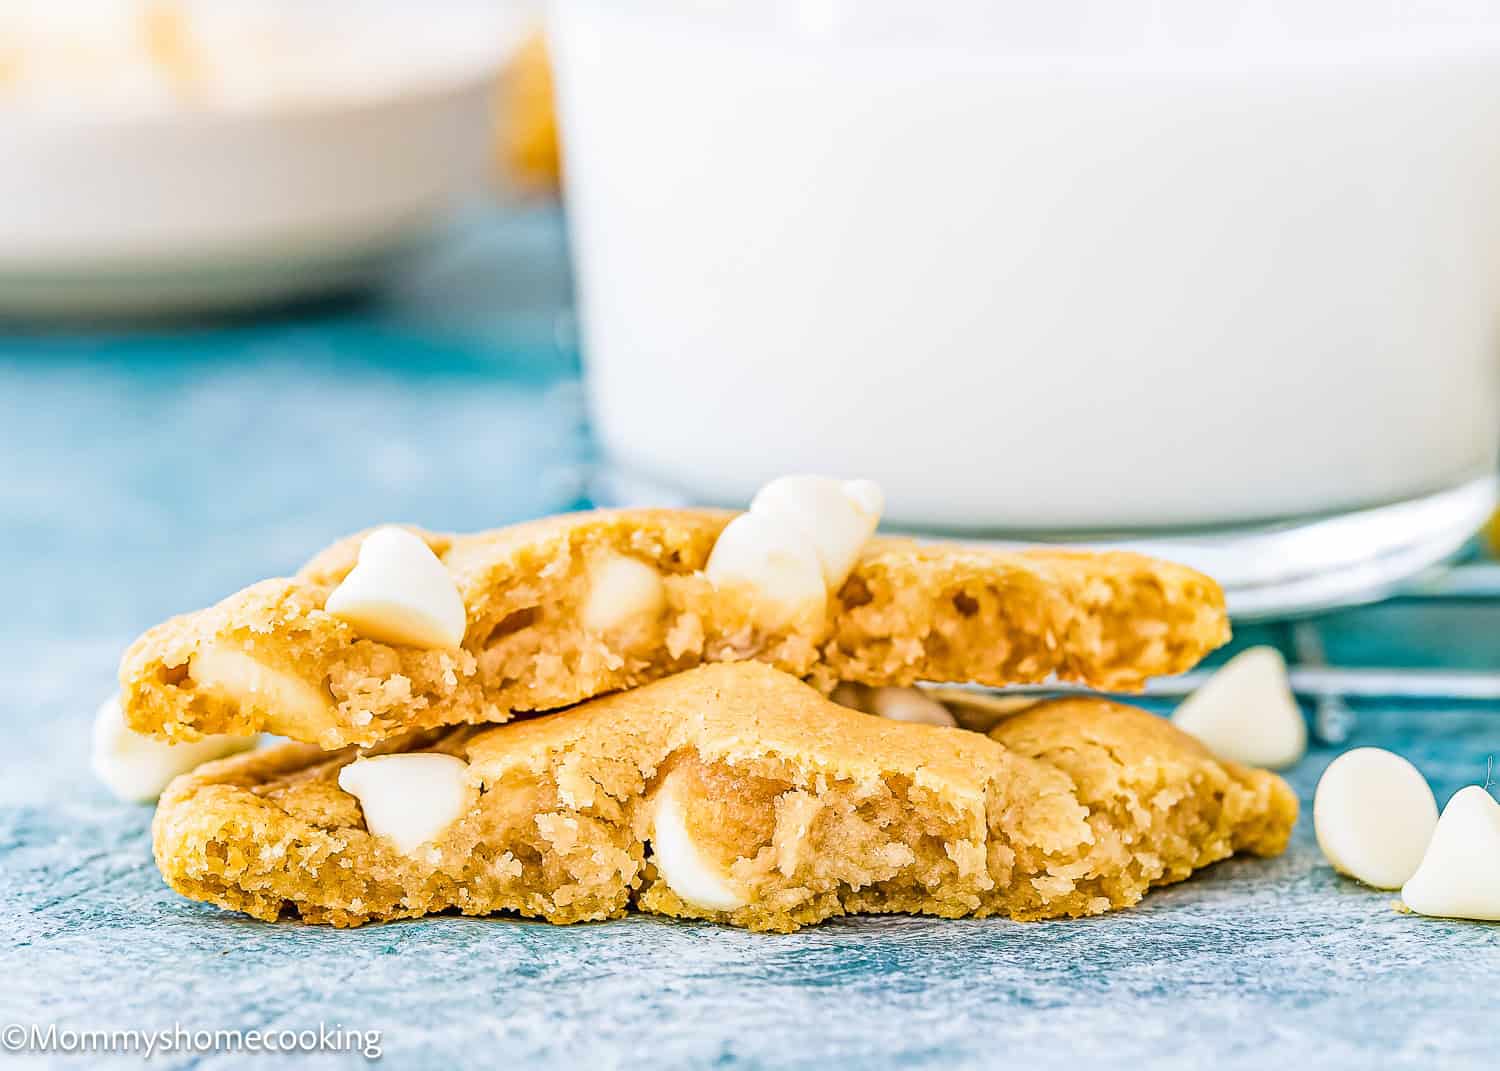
pixel 294 163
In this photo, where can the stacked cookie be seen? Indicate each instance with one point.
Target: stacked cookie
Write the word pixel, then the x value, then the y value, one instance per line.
pixel 628 709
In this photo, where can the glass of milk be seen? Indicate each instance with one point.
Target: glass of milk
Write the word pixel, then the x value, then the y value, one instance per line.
pixel 1216 278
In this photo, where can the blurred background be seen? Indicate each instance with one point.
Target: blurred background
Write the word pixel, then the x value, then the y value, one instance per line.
pixel 1219 283
pixel 1219 279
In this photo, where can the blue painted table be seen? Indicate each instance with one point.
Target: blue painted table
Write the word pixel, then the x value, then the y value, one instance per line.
pixel 147 474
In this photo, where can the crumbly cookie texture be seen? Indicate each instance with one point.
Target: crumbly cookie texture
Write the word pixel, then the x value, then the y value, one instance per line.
pixel 813 810
pixel 271 659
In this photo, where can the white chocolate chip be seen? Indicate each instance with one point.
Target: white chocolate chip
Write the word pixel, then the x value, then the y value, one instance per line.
pixel 681 865
pixel 798 542
pixel 1247 713
pixel 851 695
pixel 892 703
pixel 1374 815
pixel 1460 875
pixel 836 517
pixel 137 767
pixel 867 496
pixel 399 592
pixel 221 670
pixel 909 704
pixel 978 710
pixel 774 560
pixel 410 800
pixel 621 590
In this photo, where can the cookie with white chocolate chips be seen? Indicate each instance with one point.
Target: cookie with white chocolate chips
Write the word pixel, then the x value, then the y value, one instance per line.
pixel 732 792
pixel 364 642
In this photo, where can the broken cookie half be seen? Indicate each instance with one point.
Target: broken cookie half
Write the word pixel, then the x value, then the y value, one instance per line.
pixel 400 630
pixel 731 792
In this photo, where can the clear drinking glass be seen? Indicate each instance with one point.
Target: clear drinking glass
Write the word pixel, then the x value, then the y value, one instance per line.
pixel 1216 279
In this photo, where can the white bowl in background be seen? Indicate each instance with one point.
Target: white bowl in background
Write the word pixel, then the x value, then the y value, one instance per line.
pixel 124 196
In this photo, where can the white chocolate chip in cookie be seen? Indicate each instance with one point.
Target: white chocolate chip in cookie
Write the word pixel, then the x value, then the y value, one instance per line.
pixel 400 593
pixel 910 705
pixel 136 767
pixel 233 674
pixel 837 517
pixel 682 866
pixel 981 709
pixel 893 703
pixel 1460 874
pixel 867 496
pixel 621 590
pixel 1247 713
pixel 852 695
pixel 410 799
pixel 776 562
pixel 796 544
pixel 1374 815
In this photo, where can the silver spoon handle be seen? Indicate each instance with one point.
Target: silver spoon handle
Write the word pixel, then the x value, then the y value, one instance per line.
pixel 1319 681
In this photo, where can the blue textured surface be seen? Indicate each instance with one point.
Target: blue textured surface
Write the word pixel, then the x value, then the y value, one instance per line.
pixel 149 474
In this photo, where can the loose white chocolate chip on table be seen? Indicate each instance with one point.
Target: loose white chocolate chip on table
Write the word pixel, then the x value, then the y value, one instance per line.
pixel 621 589
pixel 682 866
pixel 136 767
pixel 400 593
pixel 1374 814
pixel 221 670
pixel 410 799
pixel 1247 713
pixel 837 517
pixel 774 560
pixel 909 704
pixel 1460 875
